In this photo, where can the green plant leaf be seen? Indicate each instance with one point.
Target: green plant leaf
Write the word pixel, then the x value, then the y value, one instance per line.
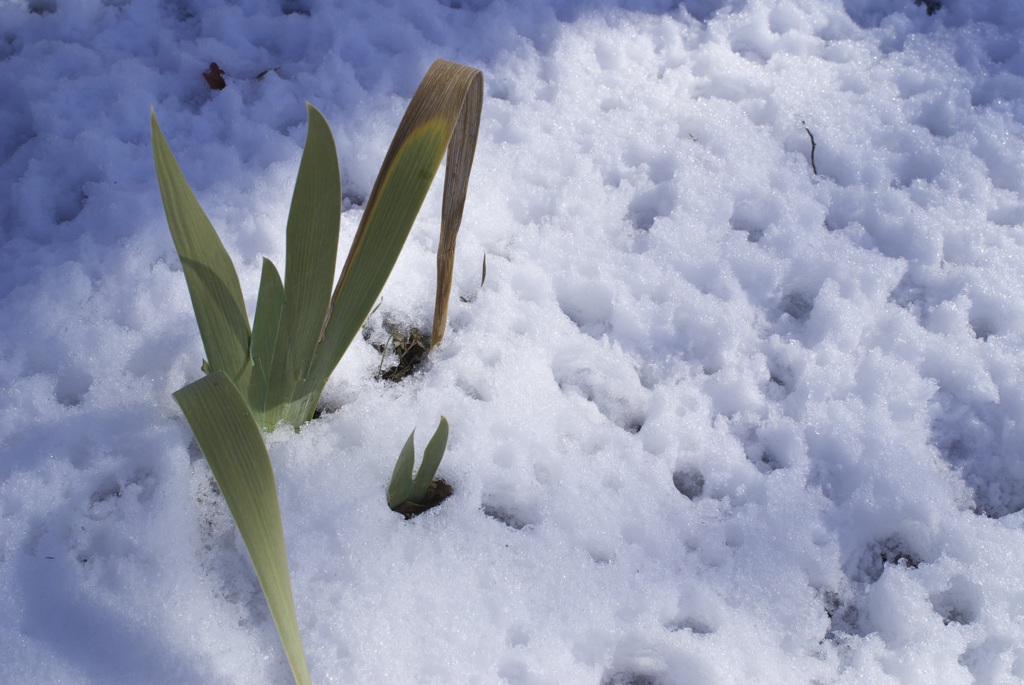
pixel 401 477
pixel 431 460
pixel 233 444
pixel 311 249
pixel 387 220
pixel 447 102
pixel 211 277
pixel 269 305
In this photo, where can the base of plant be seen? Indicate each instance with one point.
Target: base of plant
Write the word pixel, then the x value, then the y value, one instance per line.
pixel 410 347
pixel 325 409
pixel 438 492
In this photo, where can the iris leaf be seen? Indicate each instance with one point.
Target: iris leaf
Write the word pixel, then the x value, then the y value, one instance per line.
pixel 233 445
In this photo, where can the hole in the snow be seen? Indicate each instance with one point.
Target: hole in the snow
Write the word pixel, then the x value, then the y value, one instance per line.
pixel 766 462
pixel 844 617
pixel 72 387
pixel 506 515
pixel 959 603
pixel 631 678
pixel 797 305
pixel 689 482
pixel 647 207
pixel 982 329
pixel 295 7
pixel 695 625
pixel 892 551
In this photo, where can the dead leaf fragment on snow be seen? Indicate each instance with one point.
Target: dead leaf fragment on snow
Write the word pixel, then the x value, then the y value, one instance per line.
pixel 215 77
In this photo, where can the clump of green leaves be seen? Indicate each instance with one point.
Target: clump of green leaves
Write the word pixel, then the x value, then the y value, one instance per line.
pixel 276 370
pixel 410 495
pixel 301 329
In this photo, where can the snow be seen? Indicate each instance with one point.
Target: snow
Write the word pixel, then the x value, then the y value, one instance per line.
pixel 716 418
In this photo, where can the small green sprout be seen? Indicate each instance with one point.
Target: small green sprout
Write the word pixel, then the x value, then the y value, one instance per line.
pixel 410 495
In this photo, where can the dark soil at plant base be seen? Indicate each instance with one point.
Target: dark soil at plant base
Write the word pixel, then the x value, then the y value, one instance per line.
pixel 411 349
pixel 438 492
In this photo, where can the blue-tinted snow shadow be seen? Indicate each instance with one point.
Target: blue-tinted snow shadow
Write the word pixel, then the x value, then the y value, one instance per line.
pixel 103 645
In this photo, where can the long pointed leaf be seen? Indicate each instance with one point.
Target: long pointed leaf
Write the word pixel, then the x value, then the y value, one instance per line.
pixel 386 223
pixel 456 183
pixel 211 277
pixel 233 445
pixel 312 247
pixel 401 477
pixel 410 165
pixel 431 460
pixel 269 305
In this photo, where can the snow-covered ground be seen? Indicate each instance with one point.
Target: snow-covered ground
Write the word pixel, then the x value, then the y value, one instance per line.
pixel 718 415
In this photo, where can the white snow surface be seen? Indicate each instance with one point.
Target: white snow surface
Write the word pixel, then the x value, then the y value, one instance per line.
pixel 716 418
